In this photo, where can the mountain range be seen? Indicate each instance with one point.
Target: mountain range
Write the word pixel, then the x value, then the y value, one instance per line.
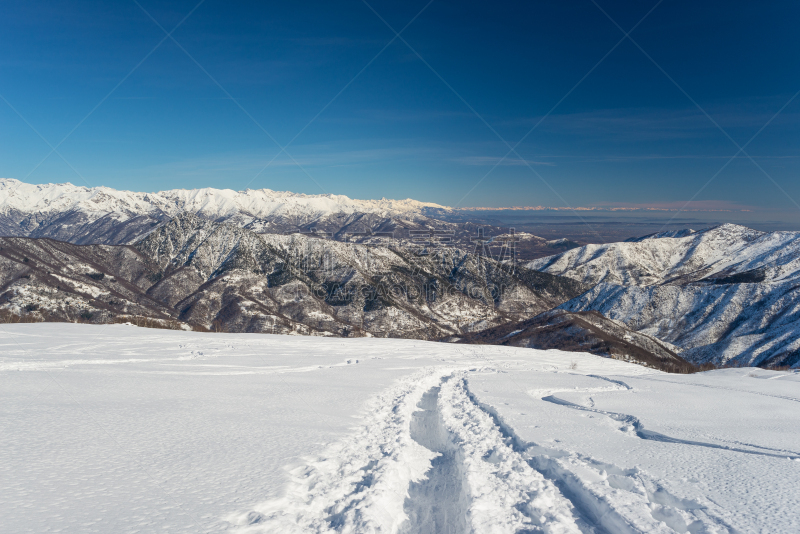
pixel 266 261
pixel 101 215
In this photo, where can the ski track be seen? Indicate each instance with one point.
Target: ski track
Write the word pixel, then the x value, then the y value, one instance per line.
pixel 632 425
pixel 429 457
pixel 783 397
pixel 607 498
pixel 438 503
pixel 360 483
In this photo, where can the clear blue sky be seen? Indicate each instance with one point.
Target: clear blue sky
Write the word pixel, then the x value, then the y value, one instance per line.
pixel 625 135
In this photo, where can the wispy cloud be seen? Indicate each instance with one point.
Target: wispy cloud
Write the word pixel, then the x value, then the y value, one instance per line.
pixel 492 160
pixel 649 157
pixel 652 123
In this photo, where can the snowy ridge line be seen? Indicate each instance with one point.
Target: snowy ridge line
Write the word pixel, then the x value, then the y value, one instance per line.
pixel 19 196
pixel 723 293
pixel 360 483
pixel 633 426
pixel 607 498
pixel 712 254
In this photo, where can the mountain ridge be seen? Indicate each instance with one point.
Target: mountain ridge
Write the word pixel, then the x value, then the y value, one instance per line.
pixel 84 215
pixel 18 195
pixel 681 257
pixel 102 215
pixel 725 294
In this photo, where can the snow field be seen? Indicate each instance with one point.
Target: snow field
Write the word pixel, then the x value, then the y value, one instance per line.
pixel 689 456
pixel 125 429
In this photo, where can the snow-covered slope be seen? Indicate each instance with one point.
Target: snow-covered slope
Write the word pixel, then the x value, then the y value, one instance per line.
pixel 680 257
pixel 113 428
pixel 100 214
pixel 724 293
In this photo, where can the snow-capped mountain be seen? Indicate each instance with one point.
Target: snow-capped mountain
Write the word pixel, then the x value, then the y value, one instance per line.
pixel 208 202
pixel 253 261
pixel 713 254
pixel 720 294
pixel 103 215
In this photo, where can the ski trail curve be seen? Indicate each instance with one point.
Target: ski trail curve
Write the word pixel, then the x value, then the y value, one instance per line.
pixel 609 498
pixel 633 425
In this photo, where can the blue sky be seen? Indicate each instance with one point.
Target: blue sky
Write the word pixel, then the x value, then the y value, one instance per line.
pixel 428 123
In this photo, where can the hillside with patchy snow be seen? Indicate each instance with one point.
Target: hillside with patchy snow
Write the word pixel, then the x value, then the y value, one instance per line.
pixel 219 275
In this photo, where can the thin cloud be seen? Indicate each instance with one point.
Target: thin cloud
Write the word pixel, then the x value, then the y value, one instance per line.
pixel 491 161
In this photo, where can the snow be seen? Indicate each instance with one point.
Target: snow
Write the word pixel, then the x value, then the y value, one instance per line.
pixel 682 257
pixel 507 493
pixel 705 453
pixel 123 429
pixel 80 286
pixel 211 203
